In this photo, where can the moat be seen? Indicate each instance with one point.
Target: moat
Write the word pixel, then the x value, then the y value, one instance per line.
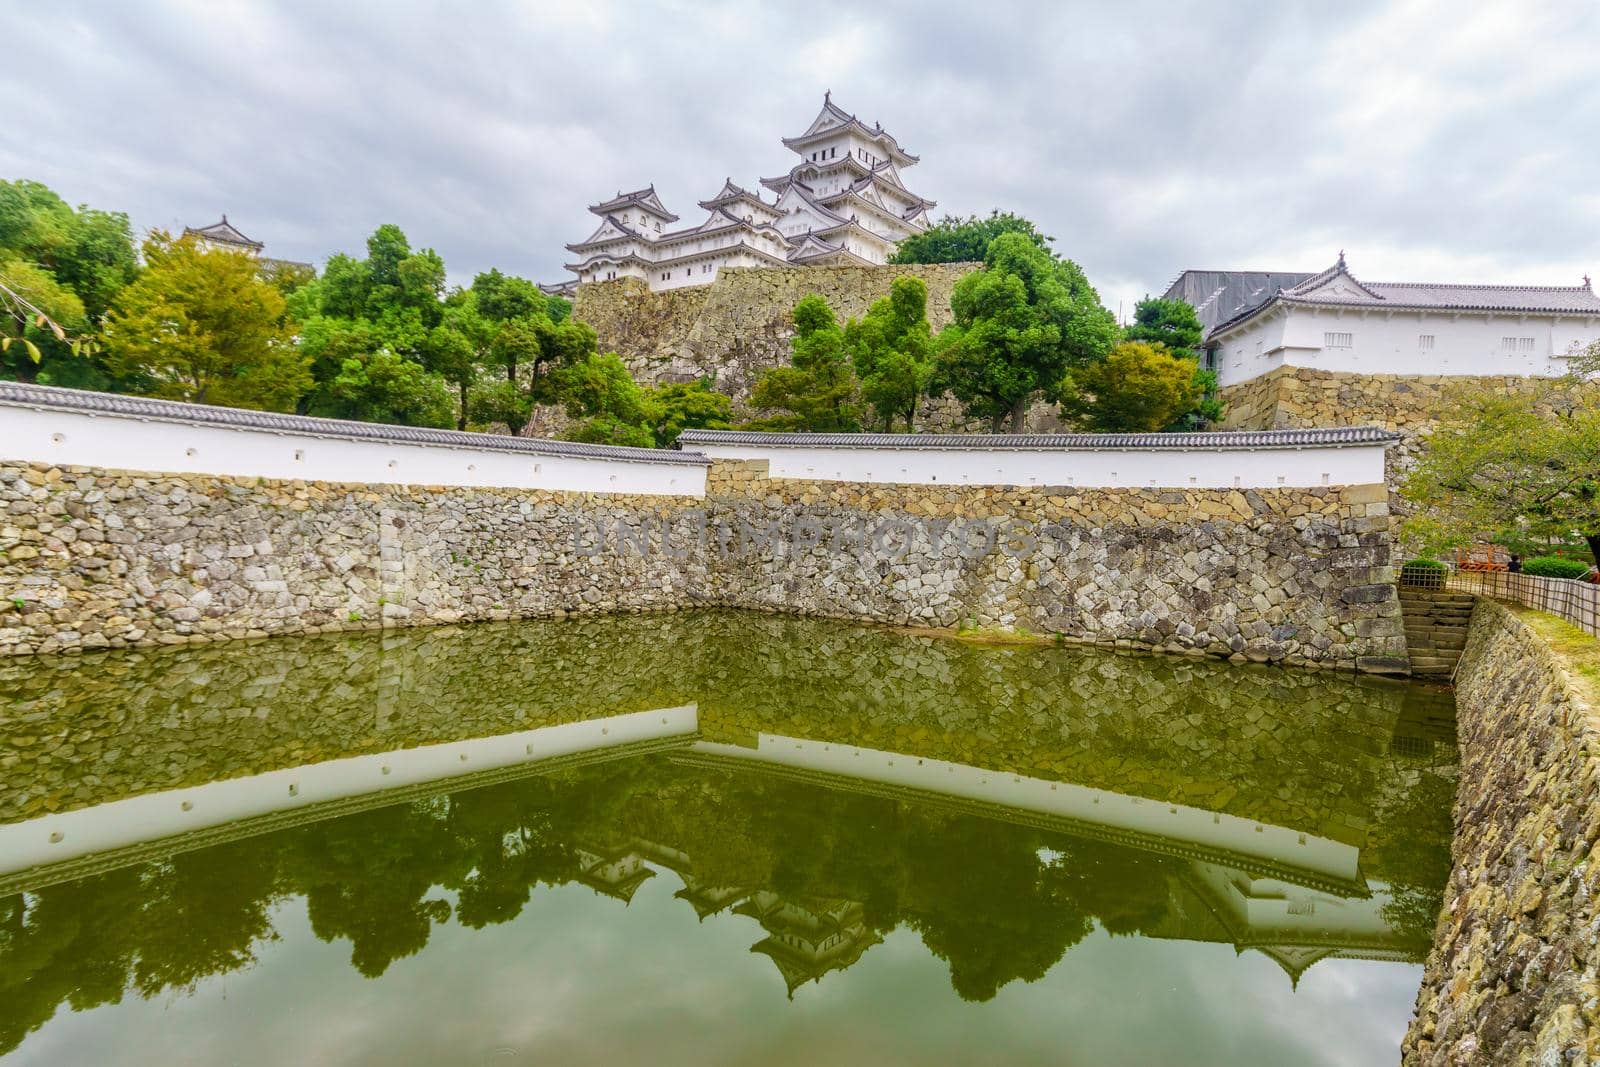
pixel 711 837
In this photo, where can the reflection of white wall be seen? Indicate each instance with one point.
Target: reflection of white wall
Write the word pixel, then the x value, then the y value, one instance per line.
pixel 1165 468
pixel 48 435
pixel 68 835
pixel 1177 822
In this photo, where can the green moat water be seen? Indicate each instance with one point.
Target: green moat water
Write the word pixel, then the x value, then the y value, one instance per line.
pixel 710 838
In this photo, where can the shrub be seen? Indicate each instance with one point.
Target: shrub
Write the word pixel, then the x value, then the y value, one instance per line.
pixel 1554 567
pixel 1429 573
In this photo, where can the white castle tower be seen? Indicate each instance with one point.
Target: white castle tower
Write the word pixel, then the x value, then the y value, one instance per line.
pixel 844 202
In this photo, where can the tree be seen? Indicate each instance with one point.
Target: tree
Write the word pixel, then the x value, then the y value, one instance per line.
pixel 957 240
pixel 205 327
pixel 1172 323
pixel 1136 388
pixel 1018 326
pixel 384 386
pixel 499 401
pixel 37 313
pixel 670 409
pixel 817 392
pixel 606 402
pixel 892 351
pixel 88 252
pixel 1514 466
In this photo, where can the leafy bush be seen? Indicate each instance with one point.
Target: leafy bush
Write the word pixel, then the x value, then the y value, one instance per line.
pixel 1554 567
pixel 1428 573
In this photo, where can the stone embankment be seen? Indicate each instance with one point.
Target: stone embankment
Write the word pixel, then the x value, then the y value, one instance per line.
pixel 1512 975
pixel 95 558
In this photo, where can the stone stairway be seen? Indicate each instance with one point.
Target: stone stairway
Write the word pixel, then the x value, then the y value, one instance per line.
pixel 1436 629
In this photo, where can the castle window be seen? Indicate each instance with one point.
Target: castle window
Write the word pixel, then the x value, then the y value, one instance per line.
pixel 1425 342
pixel 1336 340
pixel 1516 344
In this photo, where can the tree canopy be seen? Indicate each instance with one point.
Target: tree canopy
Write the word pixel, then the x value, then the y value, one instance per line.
pixel 892 351
pixel 1171 323
pixel 1018 326
pixel 1514 466
pixel 1136 388
pixel 202 325
pixel 956 240
pixel 817 392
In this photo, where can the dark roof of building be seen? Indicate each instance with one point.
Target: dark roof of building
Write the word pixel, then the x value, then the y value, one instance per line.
pixel 1336 287
pixel 1227 439
pixel 224 232
pixel 140 407
pixel 1219 295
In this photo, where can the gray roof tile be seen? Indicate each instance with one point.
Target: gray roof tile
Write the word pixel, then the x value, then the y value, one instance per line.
pixel 1231 439
pixel 19 394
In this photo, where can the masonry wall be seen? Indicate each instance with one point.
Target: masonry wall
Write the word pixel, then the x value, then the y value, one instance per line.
pixel 96 558
pixel 1512 975
pixel 91 558
pixel 740 324
pixel 1299 576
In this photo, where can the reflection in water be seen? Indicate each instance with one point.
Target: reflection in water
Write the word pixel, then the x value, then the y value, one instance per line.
pixel 829 782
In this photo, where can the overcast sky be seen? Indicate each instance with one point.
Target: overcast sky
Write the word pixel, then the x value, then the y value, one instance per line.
pixel 1434 141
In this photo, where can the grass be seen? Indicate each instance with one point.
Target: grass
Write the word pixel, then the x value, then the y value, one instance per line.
pixel 1578 651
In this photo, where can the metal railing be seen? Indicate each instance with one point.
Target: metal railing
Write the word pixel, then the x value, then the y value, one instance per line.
pixel 1576 601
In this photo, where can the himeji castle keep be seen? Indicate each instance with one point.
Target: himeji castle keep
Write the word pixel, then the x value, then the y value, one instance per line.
pixel 845 202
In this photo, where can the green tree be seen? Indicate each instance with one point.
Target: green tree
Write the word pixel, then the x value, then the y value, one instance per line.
pixel 1172 323
pixel 89 252
pixel 499 401
pixel 677 406
pixel 957 240
pixel 1136 388
pixel 1018 326
pixel 37 315
pixel 892 350
pixel 818 391
pixel 1513 467
pixel 205 327
pixel 384 386
pixel 606 403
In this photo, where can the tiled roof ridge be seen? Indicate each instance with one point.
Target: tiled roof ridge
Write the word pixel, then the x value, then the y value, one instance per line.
pixel 143 407
pixel 1223 439
pixel 1486 285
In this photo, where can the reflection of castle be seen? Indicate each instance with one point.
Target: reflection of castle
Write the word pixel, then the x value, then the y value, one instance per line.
pixel 1293 925
pixel 806 938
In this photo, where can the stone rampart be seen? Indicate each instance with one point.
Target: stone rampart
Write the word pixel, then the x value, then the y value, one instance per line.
pixel 740 324
pixel 97 558
pixel 1512 975
pixel 1300 576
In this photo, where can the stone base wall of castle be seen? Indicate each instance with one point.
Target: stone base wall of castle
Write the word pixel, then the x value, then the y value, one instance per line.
pixel 94 558
pixel 1512 977
pixel 739 325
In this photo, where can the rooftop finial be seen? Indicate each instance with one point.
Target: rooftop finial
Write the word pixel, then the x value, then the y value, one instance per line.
pixel 827 96
pixel 1341 257
pixel 1586 283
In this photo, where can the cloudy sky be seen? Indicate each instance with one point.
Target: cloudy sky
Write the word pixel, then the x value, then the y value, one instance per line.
pixel 1431 140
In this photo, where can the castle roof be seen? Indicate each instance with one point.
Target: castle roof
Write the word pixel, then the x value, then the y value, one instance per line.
pixel 645 198
pixel 224 232
pixel 1336 287
pixel 833 119
pixel 732 193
